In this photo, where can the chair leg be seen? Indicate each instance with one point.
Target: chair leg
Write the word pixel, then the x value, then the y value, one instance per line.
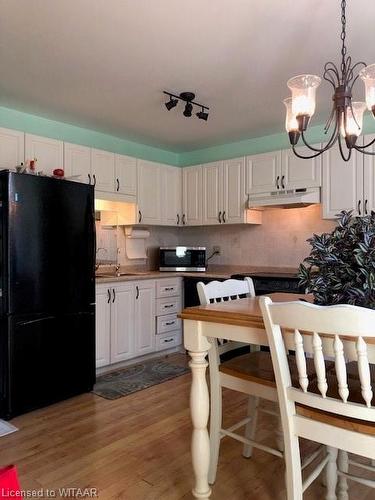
pixel 293 473
pixel 215 427
pixel 331 473
pixel 250 429
pixel 279 435
pixel 343 466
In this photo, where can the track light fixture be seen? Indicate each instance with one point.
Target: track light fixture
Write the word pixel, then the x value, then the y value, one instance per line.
pixel 188 98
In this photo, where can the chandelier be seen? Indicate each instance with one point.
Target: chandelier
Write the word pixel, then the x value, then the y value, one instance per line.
pixel 346 119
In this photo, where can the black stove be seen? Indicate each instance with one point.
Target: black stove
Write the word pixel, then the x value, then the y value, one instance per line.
pixel 271 282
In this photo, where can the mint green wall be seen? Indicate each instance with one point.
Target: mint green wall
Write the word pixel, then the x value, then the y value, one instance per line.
pixel 10 118
pixel 256 145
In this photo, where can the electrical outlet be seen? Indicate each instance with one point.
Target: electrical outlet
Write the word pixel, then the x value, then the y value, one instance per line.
pixel 217 250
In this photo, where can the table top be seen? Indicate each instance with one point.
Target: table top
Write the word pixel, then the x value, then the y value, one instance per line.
pixel 241 312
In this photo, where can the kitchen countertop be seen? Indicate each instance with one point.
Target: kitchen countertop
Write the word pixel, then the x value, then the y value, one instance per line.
pixel 221 272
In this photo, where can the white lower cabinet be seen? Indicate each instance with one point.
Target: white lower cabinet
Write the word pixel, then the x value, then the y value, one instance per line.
pixel 127 316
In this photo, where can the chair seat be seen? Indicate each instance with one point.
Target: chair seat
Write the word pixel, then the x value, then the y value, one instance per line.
pixel 257 367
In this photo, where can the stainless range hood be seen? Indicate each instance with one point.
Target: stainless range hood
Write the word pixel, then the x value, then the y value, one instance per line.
pixel 288 198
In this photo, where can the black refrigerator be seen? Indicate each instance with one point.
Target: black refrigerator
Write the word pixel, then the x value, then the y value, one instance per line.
pixel 47 291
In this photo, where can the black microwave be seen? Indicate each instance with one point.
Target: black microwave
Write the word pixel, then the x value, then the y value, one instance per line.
pixel 182 259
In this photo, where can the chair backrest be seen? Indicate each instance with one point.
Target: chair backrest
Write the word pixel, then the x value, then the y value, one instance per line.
pixel 217 291
pixel 320 331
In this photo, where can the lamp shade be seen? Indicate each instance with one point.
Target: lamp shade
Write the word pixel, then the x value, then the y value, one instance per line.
pixel 354 120
pixel 291 123
pixel 303 89
pixel 368 77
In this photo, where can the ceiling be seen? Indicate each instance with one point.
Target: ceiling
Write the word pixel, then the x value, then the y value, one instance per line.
pixel 103 64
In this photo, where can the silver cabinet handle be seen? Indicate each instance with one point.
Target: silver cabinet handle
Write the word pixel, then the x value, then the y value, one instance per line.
pixel 224 220
pixel 359 207
pixel 282 181
pixel 94 177
pixel 219 218
pixel 139 216
pixel 114 295
pixel 109 296
pixel 89 176
pixel 118 185
pixel 277 182
pixel 137 290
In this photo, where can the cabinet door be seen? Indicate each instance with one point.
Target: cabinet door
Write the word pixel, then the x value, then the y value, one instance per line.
pixel 103 170
pixel 77 161
pixel 172 195
pixel 213 206
pixel 369 177
pixel 48 152
pixel 192 195
pixel 103 326
pixel 149 192
pixel 262 172
pixel 234 191
pixel 145 321
pixel 126 175
pixel 12 148
pixel 297 173
pixel 122 322
pixel 342 183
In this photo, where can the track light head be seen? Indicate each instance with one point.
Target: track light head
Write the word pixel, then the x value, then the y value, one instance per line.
pixel 188 109
pixel 171 103
pixel 202 115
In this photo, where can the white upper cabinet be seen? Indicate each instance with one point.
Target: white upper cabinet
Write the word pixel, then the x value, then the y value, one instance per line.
pixel 103 170
pixel 126 175
pixel 212 193
pixel 300 173
pixel 48 152
pixel 149 193
pixel 171 195
pixel 192 196
pixel 263 172
pixel 342 183
pixel 234 191
pixel 77 162
pixel 12 148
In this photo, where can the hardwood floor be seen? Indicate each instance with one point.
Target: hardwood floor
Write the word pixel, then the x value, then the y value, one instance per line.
pixel 137 448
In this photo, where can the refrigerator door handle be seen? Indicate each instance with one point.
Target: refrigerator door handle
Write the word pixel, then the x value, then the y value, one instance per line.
pixel 38 320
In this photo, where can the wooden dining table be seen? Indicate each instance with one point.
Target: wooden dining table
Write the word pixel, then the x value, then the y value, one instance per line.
pixel 237 320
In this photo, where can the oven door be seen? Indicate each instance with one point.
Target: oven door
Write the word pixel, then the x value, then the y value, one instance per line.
pixel 182 259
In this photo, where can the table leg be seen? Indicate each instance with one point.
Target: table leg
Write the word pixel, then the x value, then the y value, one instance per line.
pixel 199 406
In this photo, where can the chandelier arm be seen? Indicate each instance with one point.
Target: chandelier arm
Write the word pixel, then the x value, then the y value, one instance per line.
pixel 329 144
pixel 306 157
pixel 359 148
pixel 327 126
pixel 342 151
pixel 361 63
pixel 366 146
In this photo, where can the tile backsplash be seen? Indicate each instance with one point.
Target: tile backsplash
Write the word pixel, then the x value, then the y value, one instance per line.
pixel 280 241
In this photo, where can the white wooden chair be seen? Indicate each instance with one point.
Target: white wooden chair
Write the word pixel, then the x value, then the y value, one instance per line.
pixel 335 408
pixel 240 374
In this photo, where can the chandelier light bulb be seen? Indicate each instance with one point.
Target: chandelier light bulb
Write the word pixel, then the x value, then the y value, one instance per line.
pixel 354 120
pixel 303 89
pixel 367 75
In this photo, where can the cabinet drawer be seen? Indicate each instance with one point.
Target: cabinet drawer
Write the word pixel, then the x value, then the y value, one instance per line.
pixel 168 287
pixel 166 341
pixel 168 306
pixel 167 323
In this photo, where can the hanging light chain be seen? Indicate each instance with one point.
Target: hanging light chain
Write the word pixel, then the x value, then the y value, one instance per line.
pixel 343 36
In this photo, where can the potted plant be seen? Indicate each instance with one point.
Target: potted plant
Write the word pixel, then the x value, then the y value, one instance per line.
pixel 341 266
